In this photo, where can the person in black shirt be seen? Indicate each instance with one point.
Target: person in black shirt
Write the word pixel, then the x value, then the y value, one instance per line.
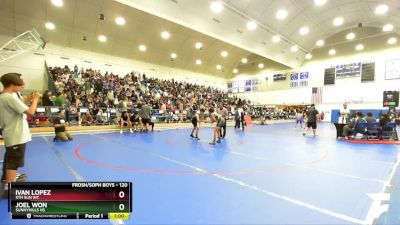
pixel 59 128
pixel 47 99
pixel 385 120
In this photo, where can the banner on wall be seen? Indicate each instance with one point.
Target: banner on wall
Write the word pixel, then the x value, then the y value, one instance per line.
pixel 303 79
pixel 348 70
pixel 316 95
pixel 299 79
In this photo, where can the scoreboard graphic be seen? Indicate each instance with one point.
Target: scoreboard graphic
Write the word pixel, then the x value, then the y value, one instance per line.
pixel 70 200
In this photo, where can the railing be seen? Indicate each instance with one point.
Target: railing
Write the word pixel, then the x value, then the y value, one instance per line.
pixel 110 116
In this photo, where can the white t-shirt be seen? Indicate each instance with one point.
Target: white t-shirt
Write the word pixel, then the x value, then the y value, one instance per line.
pixel 13 120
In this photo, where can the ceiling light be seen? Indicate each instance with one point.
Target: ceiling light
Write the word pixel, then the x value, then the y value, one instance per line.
pixel 381 9
pixel 338 21
pixel 294 48
pixel 173 55
pixel 58 3
pixel 308 56
pixel 392 41
pixel 244 60
pixel 120 20
pixel 219 67
pixel 304 30
pixel 165 35
pixel 281 14
pixel 251 25
pixel 320 43
pixel 50 26
pixel 198 45
pixel 276 39
pixel 198 62
pixel 224 54
pixel 387 27
pixel 260 65
pixel 102 38
pixel 332 52
pixel 142 48
pixel 319 2
pixel 350 36
pixel 216 7
pixel 359 47
pixel 235 70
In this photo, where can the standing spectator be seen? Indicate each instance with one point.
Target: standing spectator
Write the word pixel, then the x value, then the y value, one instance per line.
pixel 313 116
pixel 242 115
pixel 299 118
pixel 15 127
pixel 145 114
pixel 76 71
pixel 61 99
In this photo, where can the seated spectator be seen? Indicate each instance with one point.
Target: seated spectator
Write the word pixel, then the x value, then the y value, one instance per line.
pixel 125 121
pixel 385 120
pixel 353 123
pixel 370 118
pixel 59 128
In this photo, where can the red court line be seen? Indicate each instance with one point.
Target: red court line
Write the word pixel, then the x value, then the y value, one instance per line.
pixel 383 142
pixel 182 172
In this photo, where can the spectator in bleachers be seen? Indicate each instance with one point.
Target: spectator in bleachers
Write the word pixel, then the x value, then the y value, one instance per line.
pixel 61 100
pixel 125 121
pixel 59 128
pixel 108 90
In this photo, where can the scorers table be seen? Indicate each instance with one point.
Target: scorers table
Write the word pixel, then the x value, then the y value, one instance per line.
pixel 70 200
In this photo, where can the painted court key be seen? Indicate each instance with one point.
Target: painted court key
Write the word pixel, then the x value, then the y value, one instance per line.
pixel 70 200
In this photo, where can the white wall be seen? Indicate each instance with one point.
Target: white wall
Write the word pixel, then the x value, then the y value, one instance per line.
pixel 31 66
pixel 364 95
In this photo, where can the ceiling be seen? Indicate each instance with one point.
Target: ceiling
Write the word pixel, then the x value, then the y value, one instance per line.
pixel 190 21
